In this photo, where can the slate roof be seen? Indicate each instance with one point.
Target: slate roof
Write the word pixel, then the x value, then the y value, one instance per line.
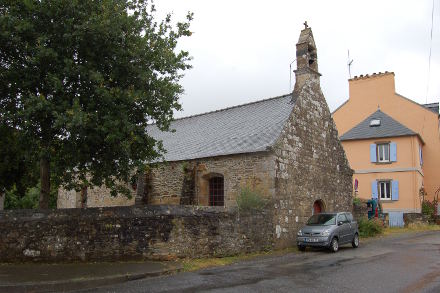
pixel 432 106
pixel 388 128
pixel 246 128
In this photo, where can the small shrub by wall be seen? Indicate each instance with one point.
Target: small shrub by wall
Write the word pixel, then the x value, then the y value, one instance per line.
pixel 369 228
pixel 249 200
pixel 429 208
pixel 123 233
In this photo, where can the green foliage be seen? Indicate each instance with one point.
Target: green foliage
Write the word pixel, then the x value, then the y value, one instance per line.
pixel 369 228
pixel 428 208
pixel 80 80
pixel 185 166
pixel 357 201
pixel 30 200
pixel 249 199
pixel 16 169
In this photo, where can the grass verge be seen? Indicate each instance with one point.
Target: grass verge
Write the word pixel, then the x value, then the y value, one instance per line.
pixel 190 265
pixel 410 229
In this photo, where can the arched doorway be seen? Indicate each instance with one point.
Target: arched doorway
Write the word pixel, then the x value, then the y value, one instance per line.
pixel 216 191
pixel 318 207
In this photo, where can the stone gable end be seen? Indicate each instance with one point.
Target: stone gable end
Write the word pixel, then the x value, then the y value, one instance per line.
pixel 311 165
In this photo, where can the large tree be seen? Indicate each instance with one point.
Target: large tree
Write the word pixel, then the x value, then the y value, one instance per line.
pixel 17 169
pixel 80 80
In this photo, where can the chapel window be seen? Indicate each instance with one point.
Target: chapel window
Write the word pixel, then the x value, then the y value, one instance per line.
pixel 216 191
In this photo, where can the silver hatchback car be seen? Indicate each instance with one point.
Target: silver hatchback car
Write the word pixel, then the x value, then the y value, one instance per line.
pixel 329 230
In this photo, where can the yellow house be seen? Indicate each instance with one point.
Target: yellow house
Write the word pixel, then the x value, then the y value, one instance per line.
pixel 391 143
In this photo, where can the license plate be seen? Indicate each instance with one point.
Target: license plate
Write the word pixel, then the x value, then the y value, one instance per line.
pixel 311 239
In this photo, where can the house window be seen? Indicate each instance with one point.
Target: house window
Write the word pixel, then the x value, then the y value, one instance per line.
pixel 385 190
pixel 374 122
pixel 216 191
pixel 383 152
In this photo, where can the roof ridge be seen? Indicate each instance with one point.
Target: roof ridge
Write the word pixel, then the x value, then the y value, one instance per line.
pixel 231 107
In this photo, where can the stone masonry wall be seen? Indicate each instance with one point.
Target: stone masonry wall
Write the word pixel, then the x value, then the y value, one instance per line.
pixel 310 164
pixel 169 182
pixel 360 210
pixel 98 196
pixel 256 171
pixel 124 233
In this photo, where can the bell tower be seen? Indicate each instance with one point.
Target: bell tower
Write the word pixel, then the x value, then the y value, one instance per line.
pixel 306 58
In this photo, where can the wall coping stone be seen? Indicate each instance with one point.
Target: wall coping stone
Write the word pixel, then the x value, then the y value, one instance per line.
pixel 105 212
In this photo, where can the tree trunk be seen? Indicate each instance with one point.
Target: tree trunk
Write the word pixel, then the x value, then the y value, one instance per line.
pixel 45 182
pixel 140 189
pixel 84 197
pixel 2 200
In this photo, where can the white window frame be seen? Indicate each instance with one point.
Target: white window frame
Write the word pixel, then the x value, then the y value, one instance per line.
pixel 384 150
pixel 382 192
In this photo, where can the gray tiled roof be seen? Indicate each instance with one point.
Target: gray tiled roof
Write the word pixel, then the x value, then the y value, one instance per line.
pixel 388 128
pixel 432 106
pixel 246 128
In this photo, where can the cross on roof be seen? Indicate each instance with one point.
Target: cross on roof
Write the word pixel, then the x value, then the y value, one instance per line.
pixel 305 24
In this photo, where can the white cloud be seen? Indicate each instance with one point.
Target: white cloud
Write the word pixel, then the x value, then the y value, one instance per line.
pixel 242 49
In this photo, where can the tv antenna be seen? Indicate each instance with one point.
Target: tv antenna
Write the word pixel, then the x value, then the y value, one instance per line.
pixel 349 64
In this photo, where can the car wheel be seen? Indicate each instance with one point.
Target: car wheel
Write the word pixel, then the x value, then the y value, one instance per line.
pixel 301 248
pixel 334 245
pixel 355 242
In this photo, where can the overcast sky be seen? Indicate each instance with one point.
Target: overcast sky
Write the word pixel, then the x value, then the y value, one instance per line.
pixel 242 49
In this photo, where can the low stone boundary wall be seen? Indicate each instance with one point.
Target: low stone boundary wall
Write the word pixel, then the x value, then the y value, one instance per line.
pixel 415 219
pixel 127 233
pixel 360 210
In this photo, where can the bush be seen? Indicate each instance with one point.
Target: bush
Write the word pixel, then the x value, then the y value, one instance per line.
pixel 250 200
pixel 357 201
pixel 369 228
pixel 428 208
pixel 31 199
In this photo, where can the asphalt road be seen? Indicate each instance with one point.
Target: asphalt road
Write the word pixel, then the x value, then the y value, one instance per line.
pixel 404 263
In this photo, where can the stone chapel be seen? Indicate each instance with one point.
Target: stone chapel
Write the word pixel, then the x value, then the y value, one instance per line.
pixel 285 148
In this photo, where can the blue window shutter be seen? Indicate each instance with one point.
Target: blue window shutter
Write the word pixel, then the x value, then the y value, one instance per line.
pixel 395 190
pixel 421 155
pixel 374 189
pixel 373 156
pixel 393 152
